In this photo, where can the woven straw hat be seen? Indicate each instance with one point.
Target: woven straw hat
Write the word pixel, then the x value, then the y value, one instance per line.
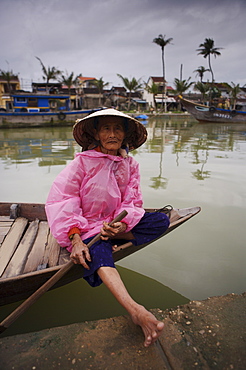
pixel 83 130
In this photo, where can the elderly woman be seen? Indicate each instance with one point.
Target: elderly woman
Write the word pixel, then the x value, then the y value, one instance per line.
pixel 91 191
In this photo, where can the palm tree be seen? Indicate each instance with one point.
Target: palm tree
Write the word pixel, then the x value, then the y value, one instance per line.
pixel 100 84
pixel 50 73
pixel 68 80
pixel 160 40
pixel 235 89
pixel 181 85
pixel 200 72
pixel 203 88
pixel 153 89
pixel 207 49
pixel 131 85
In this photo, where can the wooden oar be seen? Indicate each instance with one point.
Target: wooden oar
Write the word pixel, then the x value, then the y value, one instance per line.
pixel 48 284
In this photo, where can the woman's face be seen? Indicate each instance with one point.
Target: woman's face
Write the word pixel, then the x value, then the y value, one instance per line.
pixel 111 134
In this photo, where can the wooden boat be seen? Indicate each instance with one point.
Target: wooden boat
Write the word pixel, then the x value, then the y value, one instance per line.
pixel 29 254
pixel 37 119
pixel 204 113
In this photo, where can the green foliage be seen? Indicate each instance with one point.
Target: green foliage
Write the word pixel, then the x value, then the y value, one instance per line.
pixel 203 88
pixel 130 85
pixel 7 76
pixel 234 91
pixel 200 72
pixel 100 84
pixel 68 80
pixel 214 92
pixel 160 40
pixel 153 89
pixel 182 85
pixel 207 49
pixel 50 73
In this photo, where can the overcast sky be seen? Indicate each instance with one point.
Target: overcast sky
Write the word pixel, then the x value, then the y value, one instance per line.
pixel 100 38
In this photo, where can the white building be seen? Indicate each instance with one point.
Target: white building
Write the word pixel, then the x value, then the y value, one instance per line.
pixel 155 100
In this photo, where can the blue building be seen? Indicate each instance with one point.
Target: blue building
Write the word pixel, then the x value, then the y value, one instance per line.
pixel 30 102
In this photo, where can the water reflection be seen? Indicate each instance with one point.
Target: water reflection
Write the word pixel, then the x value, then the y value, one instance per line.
pixel 56 146
pixel 190 137
pixel 47 147
pixel 159 181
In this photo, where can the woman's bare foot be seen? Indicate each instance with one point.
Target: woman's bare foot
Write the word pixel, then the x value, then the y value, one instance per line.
pixel 152 328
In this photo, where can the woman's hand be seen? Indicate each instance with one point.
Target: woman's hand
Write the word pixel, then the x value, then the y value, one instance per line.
pixel 80 253
pixel 112 231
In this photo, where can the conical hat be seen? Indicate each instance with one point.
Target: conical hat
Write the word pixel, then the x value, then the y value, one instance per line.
pixel 83 130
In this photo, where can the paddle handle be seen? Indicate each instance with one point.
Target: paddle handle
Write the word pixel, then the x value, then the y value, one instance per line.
pixel 48 284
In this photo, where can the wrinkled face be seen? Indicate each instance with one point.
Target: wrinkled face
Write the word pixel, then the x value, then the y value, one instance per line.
pixel 111 134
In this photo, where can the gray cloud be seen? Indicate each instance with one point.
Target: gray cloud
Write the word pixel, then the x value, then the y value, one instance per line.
pixel 105 37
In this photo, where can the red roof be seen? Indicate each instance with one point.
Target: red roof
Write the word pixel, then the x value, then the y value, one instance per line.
pixel 87 78
pixel 157 79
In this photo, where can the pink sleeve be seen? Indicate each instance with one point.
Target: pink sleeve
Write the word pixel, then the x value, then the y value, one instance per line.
pixel 132 200
pixel 63 204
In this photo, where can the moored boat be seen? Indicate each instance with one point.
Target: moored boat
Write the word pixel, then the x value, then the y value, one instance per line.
pixel 40 109
pixel 36 119
pixel 29 254
pixel 204 113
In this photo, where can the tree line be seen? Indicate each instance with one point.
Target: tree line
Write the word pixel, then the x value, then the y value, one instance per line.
pixel 207 49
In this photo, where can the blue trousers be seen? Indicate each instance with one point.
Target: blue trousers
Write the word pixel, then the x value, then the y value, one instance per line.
pixel 150 227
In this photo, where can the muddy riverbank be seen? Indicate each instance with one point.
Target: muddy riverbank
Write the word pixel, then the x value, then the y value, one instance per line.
pixel 209 334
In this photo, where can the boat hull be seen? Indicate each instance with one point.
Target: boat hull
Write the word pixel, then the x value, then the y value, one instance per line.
pixel 37 119
pixel 18 286
pixel 204 113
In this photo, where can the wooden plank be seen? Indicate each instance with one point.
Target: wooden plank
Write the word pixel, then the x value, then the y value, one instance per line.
pixel 11 242
pixel 5 226
pixel 47 250
pixel 35 257
pixel 4 230
pixel 6 223
pixel 4 218
pixel 18 260
pixel 54 251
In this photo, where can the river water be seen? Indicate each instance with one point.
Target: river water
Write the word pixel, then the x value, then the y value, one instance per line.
pixel 183 163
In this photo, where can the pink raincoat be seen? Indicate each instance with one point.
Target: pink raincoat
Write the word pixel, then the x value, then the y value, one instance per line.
pixel 93 188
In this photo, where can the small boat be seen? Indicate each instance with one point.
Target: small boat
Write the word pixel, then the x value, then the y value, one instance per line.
pixel 142 116
pixel 30 255
pixel 204 113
